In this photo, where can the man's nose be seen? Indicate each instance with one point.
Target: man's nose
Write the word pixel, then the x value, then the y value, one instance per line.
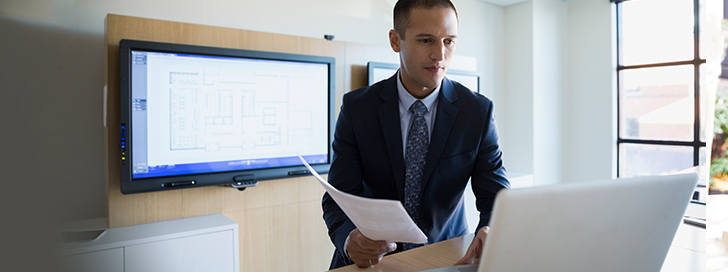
pixel 438 51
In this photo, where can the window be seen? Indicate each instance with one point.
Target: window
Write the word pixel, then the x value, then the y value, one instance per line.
pixel 659 71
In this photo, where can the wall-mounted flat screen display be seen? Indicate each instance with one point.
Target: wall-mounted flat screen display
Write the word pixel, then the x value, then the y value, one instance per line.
pixel 197 116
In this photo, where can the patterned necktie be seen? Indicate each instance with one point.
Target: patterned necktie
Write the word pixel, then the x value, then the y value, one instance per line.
pixel 415 154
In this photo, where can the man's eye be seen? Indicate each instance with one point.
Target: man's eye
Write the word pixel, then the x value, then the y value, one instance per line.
pixel 449 42
pixel 425 40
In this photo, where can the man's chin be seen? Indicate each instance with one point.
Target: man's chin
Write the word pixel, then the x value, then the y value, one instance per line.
pixel 436 82
pixel 431 83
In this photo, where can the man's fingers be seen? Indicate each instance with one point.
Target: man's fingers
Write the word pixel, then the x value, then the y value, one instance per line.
pixel 484 231
pixel 362 263
pixel 390 247
pixel 372 253
pixel 465 260
pixel 367 262
pixel 476 247
pixel 379 250
pixel 367 243
pixel 371 246
pixel 378 246
pixel 365 255
pixel 366 252
pixel 468 258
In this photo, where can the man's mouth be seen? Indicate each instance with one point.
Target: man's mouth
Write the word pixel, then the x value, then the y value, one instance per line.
pixel 434 69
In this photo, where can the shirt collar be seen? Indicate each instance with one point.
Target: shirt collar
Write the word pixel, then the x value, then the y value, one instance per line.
pixel 407 99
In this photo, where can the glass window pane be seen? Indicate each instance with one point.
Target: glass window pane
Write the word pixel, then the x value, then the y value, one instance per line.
pixel 643 159
pixel 657 103
pixel 656 31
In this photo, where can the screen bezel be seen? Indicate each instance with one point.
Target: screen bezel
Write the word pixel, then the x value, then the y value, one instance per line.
pixel 130 185
pixel 384 65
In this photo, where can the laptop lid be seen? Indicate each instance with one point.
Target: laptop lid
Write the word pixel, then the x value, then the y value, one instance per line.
pixel 612 225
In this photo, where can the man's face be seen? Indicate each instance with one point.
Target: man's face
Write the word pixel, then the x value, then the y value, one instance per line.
pixel 426 49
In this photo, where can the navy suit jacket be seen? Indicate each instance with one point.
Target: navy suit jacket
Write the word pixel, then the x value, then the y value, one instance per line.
pixel 368 159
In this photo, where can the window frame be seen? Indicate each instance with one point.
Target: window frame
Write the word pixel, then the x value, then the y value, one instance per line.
pixel 696 62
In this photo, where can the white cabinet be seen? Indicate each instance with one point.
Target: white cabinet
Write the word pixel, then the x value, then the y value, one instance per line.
pixel 204 243
pixel 205 252
pixel 111 260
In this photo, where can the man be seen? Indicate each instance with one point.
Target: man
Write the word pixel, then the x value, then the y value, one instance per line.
pixel 416 137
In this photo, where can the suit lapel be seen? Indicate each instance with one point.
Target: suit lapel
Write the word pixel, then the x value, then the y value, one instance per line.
pixel 389 118
pixel 444 120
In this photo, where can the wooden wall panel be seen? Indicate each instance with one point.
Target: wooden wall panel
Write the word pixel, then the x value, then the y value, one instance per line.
pixel 274 193
pixel 283 238
pixel 151 207
pixel 280 221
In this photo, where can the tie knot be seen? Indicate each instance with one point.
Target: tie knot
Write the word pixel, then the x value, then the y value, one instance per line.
pixel 418 108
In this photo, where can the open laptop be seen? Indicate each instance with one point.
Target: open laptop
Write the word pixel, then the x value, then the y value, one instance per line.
pixel 613 225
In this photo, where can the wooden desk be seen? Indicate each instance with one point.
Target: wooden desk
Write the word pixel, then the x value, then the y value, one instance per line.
pixel 687 252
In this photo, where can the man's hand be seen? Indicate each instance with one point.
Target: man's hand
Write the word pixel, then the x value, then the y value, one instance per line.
pixel 476 247
pixel 366 252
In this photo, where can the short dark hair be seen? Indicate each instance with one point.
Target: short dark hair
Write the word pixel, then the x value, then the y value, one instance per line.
pixel 403 9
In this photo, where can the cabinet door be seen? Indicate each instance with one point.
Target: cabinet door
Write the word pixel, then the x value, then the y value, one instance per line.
pixel 204 252
pixel 111 260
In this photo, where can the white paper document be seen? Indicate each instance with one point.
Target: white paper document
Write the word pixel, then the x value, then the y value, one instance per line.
pixel 377 219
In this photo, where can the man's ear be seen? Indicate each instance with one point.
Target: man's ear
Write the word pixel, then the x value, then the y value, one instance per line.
pixel 394 40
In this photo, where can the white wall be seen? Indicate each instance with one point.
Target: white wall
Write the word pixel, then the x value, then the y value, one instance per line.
pixel 516 126
pixel 549 33
pixel 589 117
pixel 560 116
pixel 535 49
